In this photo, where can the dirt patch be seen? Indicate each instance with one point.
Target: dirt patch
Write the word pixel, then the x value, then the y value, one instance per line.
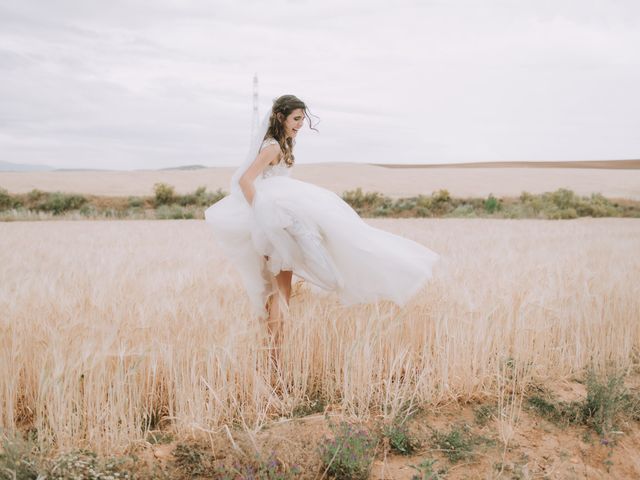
pixel 536 448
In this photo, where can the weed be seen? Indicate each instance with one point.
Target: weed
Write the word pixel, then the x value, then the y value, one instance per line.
pixel 349 455
pixel 17 459
pixel 606 403
pixel 458 443
pixel 484 414
pixel 400 439
pixel 309 407
pixel 426 470
pixel 84 464
pixel 557 412
pixel 258 469
pixel 173 212
pixel 156 437
pixel 190 459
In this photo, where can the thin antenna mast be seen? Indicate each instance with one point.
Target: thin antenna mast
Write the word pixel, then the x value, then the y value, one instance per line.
pixel 255 119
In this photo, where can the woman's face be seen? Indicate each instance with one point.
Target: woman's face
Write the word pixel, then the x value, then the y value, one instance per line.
pixel 293 123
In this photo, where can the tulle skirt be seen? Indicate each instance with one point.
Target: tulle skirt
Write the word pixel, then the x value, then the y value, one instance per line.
pixel 312 232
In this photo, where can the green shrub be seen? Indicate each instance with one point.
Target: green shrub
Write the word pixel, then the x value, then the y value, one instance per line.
pixel 135 202
pixel 562 214
pixel 484 414
pixel 88 210
pixel 35 195
pixel 200 197
pixel 191 460
pixel 426 470
pixel 563 198
pixel 441 202
pixel 258 468
pixel 58 202
pixel 607 402
pixel 17 459
pixel 400 439
pixel 456 445
pixel 464 210
pixel 349 455
pixel 367 202
pixel 173 212
pixel 314 404
pixel 209 198
pixel 164 194
pixel 491 204
pixel 6 201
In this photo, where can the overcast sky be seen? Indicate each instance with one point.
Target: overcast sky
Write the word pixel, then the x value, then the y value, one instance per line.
pixel 150 84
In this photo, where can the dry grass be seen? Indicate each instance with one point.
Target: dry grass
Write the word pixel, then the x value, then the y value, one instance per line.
pixel 111 328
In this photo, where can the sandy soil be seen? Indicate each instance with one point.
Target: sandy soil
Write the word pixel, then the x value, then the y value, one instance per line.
pixel 537 448
pixel 470 181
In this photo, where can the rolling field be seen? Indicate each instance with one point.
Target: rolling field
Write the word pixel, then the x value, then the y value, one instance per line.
pixel 394 181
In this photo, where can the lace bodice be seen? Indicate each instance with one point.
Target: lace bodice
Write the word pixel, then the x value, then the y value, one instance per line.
pixel 278 169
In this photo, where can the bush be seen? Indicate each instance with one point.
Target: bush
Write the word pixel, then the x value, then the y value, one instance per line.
pixel 88 210
pixel 563 198
pixel 200 197
pixel 6 202
pixel 400 439
pixel 456 445
pixel 491 204
pixel 607 402
pixel 135 202
pixel 17 459
pixel 173 212
pixel 164 194
pixel 484 414
pixel 258 468
pixel 427 471
pixel 441 202
pixel 350 454
pixel 58 202
pixel 212 197
pixel 464 210
pixel 563 214
pixel 368 202
pixel 35 195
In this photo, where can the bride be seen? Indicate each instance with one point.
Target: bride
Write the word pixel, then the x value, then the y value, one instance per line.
pixel 272 226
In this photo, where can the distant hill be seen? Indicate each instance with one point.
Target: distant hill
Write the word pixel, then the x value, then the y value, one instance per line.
pixel 83 170
pixel 185 167
pixel 607 164
pixel 23 167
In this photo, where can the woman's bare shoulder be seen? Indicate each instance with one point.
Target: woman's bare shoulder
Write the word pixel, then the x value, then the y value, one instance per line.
pixel 269 141
pixel 272 141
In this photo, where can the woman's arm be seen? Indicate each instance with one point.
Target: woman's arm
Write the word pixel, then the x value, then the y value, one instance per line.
pixel 268 155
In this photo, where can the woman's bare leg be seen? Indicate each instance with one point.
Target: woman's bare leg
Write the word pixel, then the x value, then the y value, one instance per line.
pixel 282 293
pixel 275 304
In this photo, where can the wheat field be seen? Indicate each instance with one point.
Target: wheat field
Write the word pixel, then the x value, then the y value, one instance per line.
pixel 111 328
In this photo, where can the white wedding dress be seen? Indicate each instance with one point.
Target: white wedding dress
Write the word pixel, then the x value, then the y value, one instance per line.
pixel 312 232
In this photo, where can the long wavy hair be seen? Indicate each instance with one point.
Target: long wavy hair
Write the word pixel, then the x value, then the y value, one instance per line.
pixel 282 107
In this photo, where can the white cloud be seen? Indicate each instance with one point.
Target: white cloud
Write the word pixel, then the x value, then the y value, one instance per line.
pixel 146 85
